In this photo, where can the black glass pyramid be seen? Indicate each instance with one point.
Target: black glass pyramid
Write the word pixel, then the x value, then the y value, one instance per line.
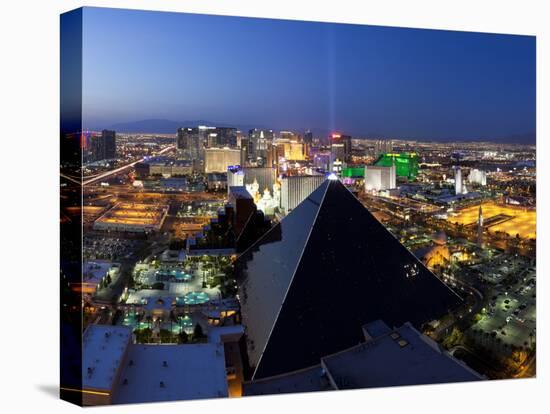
pixel 329 267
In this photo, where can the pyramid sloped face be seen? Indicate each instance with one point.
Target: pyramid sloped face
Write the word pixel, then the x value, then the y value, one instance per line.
pixel 352 271
pixel 265 270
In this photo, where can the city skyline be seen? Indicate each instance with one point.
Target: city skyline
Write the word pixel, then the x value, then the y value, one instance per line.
pixel 258 241
pixel 364 80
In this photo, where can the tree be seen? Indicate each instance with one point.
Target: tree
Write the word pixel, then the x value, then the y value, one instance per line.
pixel 198 332
pixel 456 337
pixel 143 335
pixel 183 337
pixel 158 286
pixel 165 336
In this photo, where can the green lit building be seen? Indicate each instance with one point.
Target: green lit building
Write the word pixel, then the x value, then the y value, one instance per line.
pixel 406 163
pixel 354 172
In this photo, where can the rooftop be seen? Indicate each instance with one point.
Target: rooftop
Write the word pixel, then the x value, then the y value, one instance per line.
pixel 94 271
pixel 134 214
pixel 388 357
pixel 220 334
pixel 103 347
pixel 401 356
pixel 144 296
pixel 310 283
pixel 172 372
pixel 239 192
pixel 306 380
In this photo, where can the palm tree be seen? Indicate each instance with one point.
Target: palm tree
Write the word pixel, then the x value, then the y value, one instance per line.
pixel 198 332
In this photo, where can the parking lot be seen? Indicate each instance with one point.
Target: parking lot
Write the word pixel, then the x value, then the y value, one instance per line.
pixel 510 317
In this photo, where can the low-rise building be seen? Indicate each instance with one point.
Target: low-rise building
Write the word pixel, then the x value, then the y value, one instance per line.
pixel 117 371
pixel 133 218
pixel 104 352
pixel 93 274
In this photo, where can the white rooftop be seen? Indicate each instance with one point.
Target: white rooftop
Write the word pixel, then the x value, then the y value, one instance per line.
pixel 94 271
pixel 160 303
pixel 172 372
pixel 220 333
pixel 103 347
pixel 148 295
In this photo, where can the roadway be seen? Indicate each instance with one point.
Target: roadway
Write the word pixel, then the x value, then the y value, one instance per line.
pixel 464 311
pixel 528 369
pixel 120 169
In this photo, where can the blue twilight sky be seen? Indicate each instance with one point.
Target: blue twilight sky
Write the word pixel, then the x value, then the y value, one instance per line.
pixel 363 80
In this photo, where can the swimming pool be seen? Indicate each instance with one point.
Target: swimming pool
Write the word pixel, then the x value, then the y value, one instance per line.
pixel 177 275
pixel 193 298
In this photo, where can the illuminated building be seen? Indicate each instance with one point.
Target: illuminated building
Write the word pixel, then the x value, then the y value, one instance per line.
pixel 222 137
pixel 219 159
pixel 190 142
pixel 297 151
pixel 308 143
pixel 235 177
pixel 291 150
pixel 321 160
pixel 383 146
pixel 459 189
pixel 327 268
pixel 260 182
pixel 289 135
pixel 239 138
pixel 266 200
pixel 133 218
pixel 308 137
pixel 270 202
pixel 380 178
pixel 216 181
pixel 477 176
pixel 244 146
pixel 266 177
pixel 340 151
pixel 295 189
pixel 103 147
pixel 274 152
pixel 258 140
pixel 406 164
pixel 337 166
pixel 164 166
pixel 353 172
pixel 437 254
